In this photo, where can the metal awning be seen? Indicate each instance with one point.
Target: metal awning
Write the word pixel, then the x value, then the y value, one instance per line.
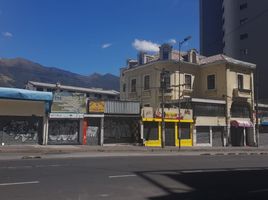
pixel 241 123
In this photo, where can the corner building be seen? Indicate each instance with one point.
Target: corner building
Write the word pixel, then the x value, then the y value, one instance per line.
pixel 209 100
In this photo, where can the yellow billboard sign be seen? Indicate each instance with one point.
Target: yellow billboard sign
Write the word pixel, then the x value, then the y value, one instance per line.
pixel 96 106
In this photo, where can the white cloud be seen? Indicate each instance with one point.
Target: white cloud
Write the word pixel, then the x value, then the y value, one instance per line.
pixel 144 45
pixel 7 34
pixel 172 41
pixel 107 45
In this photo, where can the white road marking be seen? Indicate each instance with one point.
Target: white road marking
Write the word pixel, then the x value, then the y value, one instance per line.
pixel 257 191
pixel 19 183
pixel 122 176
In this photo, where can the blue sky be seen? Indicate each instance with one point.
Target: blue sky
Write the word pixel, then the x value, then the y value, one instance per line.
pixel 87 36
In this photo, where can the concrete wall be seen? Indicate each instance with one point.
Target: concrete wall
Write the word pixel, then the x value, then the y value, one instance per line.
pixel 210 121
pixel 220 81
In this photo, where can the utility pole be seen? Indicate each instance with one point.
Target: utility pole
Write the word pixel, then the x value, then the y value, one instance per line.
pixel 180 44
pixel 163 86
pixel 256 83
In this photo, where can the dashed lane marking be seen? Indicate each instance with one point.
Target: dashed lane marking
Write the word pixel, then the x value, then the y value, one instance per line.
pixel 19 183
pixel 123 176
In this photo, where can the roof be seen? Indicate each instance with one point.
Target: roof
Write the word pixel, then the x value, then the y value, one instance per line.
pixel 227 59
pixel 21 94
pixel 73 88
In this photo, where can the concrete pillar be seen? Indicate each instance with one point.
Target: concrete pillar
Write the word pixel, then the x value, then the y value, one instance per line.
pixel 45 130
pixel 81 128
pixel 102 131
pixel 254 135
pixel 210 135
pixel 194 135
pixel 224 136
pixel 244 133
pixel 142 134
pixel 228 135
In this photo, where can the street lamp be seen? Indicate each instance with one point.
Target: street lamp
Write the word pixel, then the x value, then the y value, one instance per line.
pixel 180 45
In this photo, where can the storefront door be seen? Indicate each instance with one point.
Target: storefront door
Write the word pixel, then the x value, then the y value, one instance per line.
pixel 170 134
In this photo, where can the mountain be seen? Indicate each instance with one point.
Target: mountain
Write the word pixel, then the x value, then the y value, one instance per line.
pixel 17 72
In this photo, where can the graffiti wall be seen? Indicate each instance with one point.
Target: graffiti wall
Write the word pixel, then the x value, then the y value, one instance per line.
pixel 21 130
pixel 93 131
pixel 63 131
pixel 121 130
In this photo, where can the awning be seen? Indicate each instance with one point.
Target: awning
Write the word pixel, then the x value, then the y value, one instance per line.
pixel 241 123
pixel 264 121
pixel 22 94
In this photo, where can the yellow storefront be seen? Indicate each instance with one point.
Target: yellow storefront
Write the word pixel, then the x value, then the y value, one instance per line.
pixel 152 132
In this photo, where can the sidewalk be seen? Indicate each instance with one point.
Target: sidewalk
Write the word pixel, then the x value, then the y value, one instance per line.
pixel 63 149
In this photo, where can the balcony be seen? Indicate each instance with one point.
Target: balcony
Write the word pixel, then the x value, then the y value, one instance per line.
pixel 242 93
pixel 187 92
pixel 146 93
pixel 133 95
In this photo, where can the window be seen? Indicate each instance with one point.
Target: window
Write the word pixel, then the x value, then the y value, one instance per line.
pixel 243 36
pixel 206 109
pixel 211 82
pixel 167 82
pixel 185 131
pixel 240 109
pixel 243 21
pixel 243 6
pixel 150 130
pixel 124 87
pixel 244 51
pixel 194 60
pixel 165 54
pixel 240 82
pixel 133 85
pixel 188 81
pixel 99 96
pixel 146 82
pixel 39 89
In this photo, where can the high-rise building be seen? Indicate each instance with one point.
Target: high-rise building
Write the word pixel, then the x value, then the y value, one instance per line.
pixel 237 28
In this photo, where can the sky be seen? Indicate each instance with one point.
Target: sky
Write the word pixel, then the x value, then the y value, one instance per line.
pixel 94 36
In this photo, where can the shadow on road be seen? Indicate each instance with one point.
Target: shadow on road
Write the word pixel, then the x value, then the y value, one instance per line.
pixel 208 184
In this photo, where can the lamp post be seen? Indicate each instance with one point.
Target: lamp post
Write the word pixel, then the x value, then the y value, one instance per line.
pixel 180 45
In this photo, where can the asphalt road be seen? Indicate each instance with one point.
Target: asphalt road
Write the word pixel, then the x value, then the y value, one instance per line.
pixel 130 177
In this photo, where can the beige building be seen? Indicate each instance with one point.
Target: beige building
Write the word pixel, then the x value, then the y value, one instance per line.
pixel 219 90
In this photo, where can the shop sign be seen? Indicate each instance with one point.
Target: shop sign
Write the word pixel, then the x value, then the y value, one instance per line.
pixel 186 114
pixel 69 102
pixel 96 106
pixel 65 115
pixel 147 112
